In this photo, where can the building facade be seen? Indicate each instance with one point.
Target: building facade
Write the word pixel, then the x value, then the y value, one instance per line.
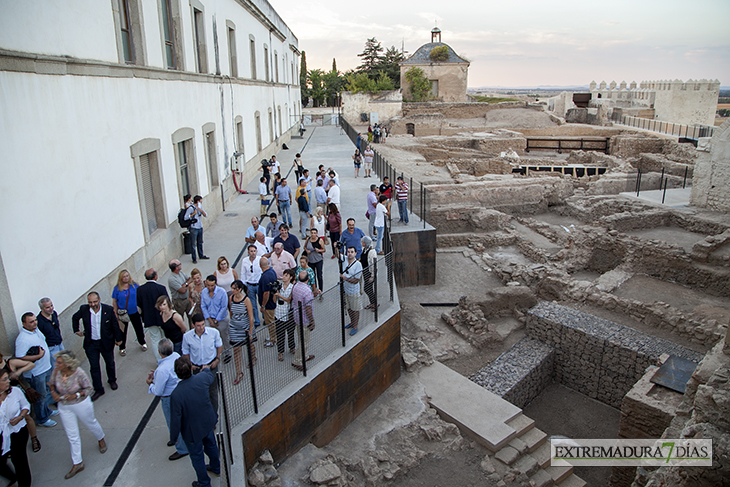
pixel 111 112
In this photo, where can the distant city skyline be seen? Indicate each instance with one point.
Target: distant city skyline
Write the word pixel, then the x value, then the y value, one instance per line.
pixel 529 42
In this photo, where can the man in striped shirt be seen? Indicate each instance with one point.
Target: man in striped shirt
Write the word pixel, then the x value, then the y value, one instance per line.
pixel 401 191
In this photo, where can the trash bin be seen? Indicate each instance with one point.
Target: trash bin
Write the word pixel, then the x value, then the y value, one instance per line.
pixel 187 243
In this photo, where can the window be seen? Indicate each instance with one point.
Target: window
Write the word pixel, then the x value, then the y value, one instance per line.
pixel 266 62
pixel 239 134
pixel 253 56
pixel 278 115
pixel 259 147
pixel 434 87
pixel 211 154
pixel 201 54
pixel 187 175
pixel 145 155
pixel 276 67
pixel 232 58
pixel 128 28
pixel 170 22
pixel 271 126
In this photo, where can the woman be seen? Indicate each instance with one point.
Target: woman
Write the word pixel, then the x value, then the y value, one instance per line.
pixel 357 160
pixel 240 329
pixel 284 322
pixel 319 221
pixel 71 388
pixel 298 166
pixel 225 274
pixel 334 224
pixel 124 300
pixel 316 247
pixel 14 408
pixel 172 323
pixel 304 266
pixel 15 368
pixel 195 290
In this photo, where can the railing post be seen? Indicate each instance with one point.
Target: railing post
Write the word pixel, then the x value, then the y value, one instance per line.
pixel 224 459
pixel 249 345
pixel 664 195
pixel 342 299
pixel 301 340
pixel 219 377
pixel 374 273
pixel 684 183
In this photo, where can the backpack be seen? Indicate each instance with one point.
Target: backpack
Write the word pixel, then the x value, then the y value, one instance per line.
pixel 185 222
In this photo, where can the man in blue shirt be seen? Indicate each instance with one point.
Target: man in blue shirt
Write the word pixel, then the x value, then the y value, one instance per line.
pixel 267 301
pixel 214 305
pixel 49 325
pixel 284 200
pixel 162 381
pixel 30 345
pixel 351 237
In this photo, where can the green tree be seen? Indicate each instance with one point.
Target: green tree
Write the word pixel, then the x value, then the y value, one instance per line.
pixel 370 58
pixel 384 83
pixel 360 82
pixel 334 65
pixel 333 84
pixel 419 85
pixel 390 65
pixel 439 54
pixel 316 86
pixel 305 93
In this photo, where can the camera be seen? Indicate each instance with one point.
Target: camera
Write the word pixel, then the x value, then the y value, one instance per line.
pixel 275 287
pixel 339 245
pixel 265 163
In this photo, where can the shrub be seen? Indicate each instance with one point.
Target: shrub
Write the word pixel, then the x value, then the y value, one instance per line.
pixel 439 54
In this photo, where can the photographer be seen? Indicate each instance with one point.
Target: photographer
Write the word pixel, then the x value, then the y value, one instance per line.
pixel 265 165
pixel 268 286
pixel 284 321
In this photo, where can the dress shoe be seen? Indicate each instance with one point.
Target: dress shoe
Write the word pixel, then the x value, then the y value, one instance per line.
pixel 74 470
pixel 113 386
pixel 210 469
pixel 204 257
pixel 176 456
pixel 96 396
pixel 170 443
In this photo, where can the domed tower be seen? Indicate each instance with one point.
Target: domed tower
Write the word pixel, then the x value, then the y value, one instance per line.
pixel 445 69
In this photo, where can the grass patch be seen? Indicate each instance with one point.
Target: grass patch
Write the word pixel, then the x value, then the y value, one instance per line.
pixel 492 99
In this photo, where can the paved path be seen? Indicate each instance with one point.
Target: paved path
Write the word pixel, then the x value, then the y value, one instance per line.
pixel 121 411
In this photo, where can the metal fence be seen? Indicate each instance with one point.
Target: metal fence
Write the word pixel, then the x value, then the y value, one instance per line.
pixel 419 197
pixel 635 184
pixel 680 130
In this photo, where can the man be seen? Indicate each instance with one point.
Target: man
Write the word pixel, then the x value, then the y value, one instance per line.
pixel 351 237
pixel 372 202
pixel 281 260
pixel 290 242
pixel 275 166
pixel 284 200
pixel 263 245
pixel 320 195
pixel 367 261
pixel 308 180
pixel 195 210
pixel 263 196
pixel 49 325
pixel 147 295
pixel 301 296
pixel 267 301
pixel 162 381
pixel 251 274
pixel 401 191
pixel 194 417
pixel 178 284
pixel 101 332
pixel 31 345
pixel 333 195
pixel 333 175
pixel 203 346
pixel 214 305
pixel 351 282
pixel 368 157
pixel 251 231
pixel 272 229
pixel 358 141
pixel 386 188
pixel 303 204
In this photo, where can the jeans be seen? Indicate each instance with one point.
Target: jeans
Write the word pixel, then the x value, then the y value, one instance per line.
pixel 285 211
pixel 198 450
pixel 53 351
pixel 317 267
pixel 197 236
pixel 40 384
pixel 180 445
pixel 303 223
pixel 403 210
pixel 380 238
pixel 253 291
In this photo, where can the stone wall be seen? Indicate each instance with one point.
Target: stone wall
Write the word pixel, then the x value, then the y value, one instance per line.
pixel 520 374
pixel 712 173
pixel 460 110
pixel 597 357
pixel 386 104
pixel 451 79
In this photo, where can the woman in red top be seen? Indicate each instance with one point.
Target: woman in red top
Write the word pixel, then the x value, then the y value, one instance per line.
pixel 334 225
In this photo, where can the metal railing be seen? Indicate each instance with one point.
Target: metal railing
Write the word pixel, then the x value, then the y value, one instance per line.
pixel 633 182
pixel 680 130
pixel 419 198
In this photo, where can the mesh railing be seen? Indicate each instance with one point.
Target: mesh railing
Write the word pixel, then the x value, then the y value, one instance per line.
pixel 670 128
pixel 252 374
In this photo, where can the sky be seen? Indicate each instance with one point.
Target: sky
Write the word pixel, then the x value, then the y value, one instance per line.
pixel 528 43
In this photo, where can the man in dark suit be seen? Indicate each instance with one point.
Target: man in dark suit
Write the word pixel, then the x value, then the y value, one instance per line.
pixel 101 332
pixel 147 295
pixel 193 416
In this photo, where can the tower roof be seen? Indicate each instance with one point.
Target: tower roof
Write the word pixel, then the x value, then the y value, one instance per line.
pixel 422 55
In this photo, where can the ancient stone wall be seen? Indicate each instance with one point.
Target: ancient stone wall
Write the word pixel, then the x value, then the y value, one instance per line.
pixel 459 110
pixel 712 175
pixel 386 104
pixel 600 358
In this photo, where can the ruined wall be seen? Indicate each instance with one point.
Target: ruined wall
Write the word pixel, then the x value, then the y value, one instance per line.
pixel 386 104
pixel 711 181
pixel 600 358
pixel 460 110
pixel 451 80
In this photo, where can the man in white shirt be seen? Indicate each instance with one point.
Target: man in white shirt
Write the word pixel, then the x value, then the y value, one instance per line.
pixel 251 274
pixel 351 275
pixel 203 346
pixel 263 244
pixel 264 196
pixel 333 195
pixel 39 376
pixel 251 231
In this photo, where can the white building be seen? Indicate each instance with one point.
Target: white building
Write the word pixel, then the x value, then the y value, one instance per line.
pixel 111 111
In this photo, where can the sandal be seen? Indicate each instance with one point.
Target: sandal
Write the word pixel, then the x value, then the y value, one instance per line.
pixel 35 442
pixel 281 357
pixel 238 379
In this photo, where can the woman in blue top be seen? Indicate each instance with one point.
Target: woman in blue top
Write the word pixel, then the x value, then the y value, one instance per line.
pixel 124 299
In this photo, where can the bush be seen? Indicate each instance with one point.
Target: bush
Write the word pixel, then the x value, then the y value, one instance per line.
pixel 420 86
pixel 439 54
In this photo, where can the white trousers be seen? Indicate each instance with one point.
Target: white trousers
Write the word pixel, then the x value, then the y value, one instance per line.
pixel 155 334
pixel 70 415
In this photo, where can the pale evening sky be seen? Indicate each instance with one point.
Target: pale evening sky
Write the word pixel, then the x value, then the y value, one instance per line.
pixel 528 42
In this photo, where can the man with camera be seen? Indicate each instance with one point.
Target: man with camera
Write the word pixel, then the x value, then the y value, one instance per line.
pixel 267 289
pixel 302 299
pixel 350 276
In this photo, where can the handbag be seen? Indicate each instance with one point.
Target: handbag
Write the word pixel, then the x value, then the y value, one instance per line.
pixel 122 315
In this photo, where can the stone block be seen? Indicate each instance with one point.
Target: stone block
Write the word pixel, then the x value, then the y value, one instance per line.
pixel 507 455
pixel 534 438
pixel 542 455
pixel 542 479
pixel 526 465
pixel 518 445
pixel 559 474
pixel 573 481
